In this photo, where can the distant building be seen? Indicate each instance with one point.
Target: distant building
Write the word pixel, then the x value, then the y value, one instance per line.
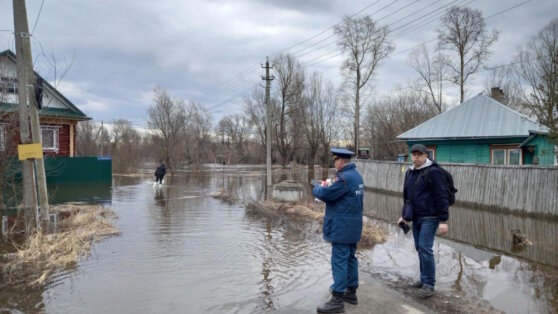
pixel 58 120
pixel 481 130
pixel 58 117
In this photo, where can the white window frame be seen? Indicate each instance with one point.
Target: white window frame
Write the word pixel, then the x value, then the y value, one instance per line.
pixel 508 158
pixel 56 137
pixel 505 156
pixel 556 155
pixel 8 85
pixel 507 151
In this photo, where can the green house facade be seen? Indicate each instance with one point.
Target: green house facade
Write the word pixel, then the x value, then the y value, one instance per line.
pixel 483 131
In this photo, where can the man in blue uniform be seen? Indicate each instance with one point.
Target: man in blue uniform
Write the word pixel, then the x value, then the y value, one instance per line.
pixel 342 227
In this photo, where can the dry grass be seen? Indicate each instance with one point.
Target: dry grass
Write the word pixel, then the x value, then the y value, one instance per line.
pixel 41 256
pixel 372 234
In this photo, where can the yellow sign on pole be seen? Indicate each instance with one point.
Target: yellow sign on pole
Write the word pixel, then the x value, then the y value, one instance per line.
pixel 30 151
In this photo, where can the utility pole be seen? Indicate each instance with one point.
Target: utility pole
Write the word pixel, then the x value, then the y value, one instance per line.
pixel 27 101
pixel 268 80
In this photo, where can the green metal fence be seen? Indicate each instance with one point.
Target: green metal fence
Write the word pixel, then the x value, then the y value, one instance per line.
pixel 78 169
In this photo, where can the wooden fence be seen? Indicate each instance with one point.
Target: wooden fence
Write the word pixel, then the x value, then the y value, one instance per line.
pixel 521 189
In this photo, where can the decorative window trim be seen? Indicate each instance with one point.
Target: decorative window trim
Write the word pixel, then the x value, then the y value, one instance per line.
pixel 56 137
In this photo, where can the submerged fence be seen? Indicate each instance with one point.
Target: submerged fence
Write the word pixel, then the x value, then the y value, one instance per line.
pixel 521 189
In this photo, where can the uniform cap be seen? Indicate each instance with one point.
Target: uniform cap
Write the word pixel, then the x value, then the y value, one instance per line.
pixel 342 152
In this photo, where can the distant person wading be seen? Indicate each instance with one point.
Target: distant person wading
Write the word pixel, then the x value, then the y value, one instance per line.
pixel 160 174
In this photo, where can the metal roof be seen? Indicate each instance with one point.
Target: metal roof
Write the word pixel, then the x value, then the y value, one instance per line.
pixel 74 111
pixel 49 112
pixel 478 117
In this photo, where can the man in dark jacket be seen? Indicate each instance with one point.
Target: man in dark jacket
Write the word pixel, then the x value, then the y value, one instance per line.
pixel 342 227
pixel 425 189
pixel 160 173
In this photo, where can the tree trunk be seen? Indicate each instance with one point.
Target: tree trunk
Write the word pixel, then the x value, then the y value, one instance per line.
pixel 357 112
pixel 461 82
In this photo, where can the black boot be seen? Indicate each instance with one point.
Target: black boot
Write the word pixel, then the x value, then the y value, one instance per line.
pixel 335 305
pixel 350 295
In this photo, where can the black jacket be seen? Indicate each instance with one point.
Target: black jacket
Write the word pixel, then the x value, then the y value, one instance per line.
pixel 161 171
pixel 430 194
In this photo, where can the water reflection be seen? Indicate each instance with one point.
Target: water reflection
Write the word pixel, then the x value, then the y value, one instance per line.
pixel 528 284
pixel 182 251
pixel 481 228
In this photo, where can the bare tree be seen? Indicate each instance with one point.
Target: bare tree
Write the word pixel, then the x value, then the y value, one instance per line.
pixel 126 145
pixel 538 67
pixel 317 112
pixel 88 138
pixel 328 115
pixel 167 118
pixel 255 112
pixel 393 115
pixel 233 130
pixel 289 81
pixel 366 45
pixel 196 136
pixel 432 74
pixel 309 112
pixel 505 78
pixel 463 32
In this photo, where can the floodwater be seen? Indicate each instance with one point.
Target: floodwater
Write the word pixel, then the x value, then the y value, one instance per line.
pixel 182 251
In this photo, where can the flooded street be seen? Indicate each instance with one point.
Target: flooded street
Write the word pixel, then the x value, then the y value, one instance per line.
pixel 182 251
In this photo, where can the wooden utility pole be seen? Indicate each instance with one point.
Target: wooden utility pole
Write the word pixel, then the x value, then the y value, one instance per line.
pixel 28 107
pixel 268 80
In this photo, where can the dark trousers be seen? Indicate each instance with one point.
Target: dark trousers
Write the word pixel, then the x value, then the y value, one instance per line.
pixel 344 266
pixel 424 231
pixel 159 178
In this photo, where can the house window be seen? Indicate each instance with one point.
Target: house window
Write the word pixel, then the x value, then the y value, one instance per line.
pixel 514 156
pixel 506 155
pixel 8 85
pixel 499 156
pixel 431 152
pixel 50 138
pixel 2 137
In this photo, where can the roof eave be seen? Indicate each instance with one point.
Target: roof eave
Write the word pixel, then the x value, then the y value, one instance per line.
pixel 459 138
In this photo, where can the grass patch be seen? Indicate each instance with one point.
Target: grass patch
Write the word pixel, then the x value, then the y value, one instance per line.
pixel 41 256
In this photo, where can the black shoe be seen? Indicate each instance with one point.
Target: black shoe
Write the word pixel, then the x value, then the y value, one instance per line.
pixel 335 305
pixel 425 292
pixel 416 285
pixel 351 296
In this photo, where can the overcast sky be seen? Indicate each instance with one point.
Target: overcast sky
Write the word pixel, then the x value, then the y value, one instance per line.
pixel 210 51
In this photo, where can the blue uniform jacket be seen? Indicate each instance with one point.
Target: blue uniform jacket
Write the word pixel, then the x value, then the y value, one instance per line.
pixel 430 196
pixel 344 198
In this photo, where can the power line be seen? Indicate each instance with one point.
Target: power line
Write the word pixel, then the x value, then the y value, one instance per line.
pixel 329 28
pixel 334 35
pixel 340 53
pixel 326 30
pixel 38 15
pixel 236 82
pixel 329 55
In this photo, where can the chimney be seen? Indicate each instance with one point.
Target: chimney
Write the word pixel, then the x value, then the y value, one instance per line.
pixel 498 94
